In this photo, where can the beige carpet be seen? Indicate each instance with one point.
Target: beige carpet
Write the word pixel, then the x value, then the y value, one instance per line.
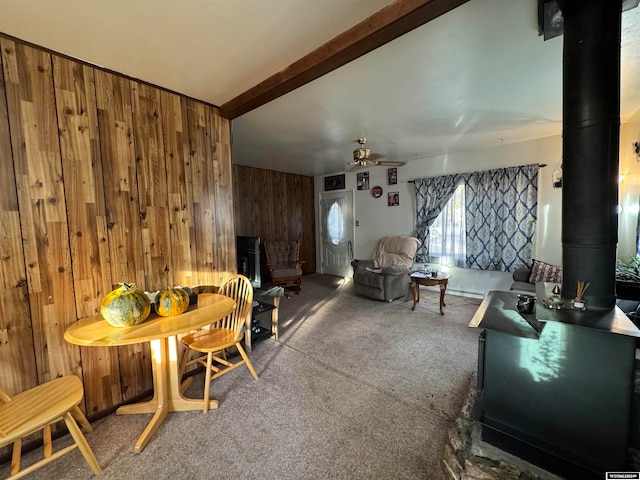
pixel 353 389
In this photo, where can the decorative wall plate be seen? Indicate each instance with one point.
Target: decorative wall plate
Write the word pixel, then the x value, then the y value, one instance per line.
pixel 376 191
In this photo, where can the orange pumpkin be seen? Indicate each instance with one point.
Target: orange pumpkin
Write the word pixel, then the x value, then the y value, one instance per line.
pixel 172 301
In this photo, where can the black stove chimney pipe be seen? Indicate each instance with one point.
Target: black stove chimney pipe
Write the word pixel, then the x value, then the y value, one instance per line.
pixel 590 148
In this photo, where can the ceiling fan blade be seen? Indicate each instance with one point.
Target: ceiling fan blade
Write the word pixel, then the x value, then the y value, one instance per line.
pixel 359 165
pixel 375 156
pixel 389 163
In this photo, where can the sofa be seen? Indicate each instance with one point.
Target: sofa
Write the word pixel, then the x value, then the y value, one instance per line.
pixel 521 281
pixel 385 275
pixel 525 278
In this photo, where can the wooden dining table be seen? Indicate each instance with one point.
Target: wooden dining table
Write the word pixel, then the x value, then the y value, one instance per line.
pixel 162 334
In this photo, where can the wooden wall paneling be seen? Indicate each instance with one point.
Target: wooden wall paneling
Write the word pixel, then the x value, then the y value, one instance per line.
pixel 240 193
pixel 179 186
pixel 113 100
pixel 212 170
pixel 294 214
pixel 274 206
pixel 246 218
pixel 18 372
pixel 261 182
pixel 276 218
pixel 152 185
pixel 248 203
pixel 264 209
pixel 179 191
pixel 84 190
pixel 75 203
pixel 307 204
pixel 297 192
pixel 256 201
pixel 225 238
pixel 261 186
pixel 84 185
pixel 238 198
pixel 243 198
pixel 38 170
pixel 257 188
pixel 203 181
pixel 303 224
pixel 297 226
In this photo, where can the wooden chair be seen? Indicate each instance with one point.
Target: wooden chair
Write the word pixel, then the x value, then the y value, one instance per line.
pixel 223 334
pixel 284 264
pixel 37 408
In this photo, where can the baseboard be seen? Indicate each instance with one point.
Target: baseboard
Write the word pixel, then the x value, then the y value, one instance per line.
pixel 459 293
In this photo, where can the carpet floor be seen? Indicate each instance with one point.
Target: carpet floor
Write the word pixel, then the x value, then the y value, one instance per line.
pixel 353 389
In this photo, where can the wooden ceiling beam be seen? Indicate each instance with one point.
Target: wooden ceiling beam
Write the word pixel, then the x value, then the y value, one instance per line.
pixel 386 25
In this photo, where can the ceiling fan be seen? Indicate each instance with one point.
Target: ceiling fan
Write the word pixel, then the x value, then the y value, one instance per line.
pixel 362 157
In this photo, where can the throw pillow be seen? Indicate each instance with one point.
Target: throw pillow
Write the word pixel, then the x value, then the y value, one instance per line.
pixel 545 272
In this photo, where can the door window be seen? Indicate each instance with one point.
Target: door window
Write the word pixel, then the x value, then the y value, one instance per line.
pixel 335 224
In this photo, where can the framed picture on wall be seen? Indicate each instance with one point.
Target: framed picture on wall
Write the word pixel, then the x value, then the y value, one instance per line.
pixel 392 176
pixel 334 182
pixel 363 181
pixel 393 199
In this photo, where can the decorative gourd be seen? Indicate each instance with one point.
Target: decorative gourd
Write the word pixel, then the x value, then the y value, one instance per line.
pixel 125 306
pixel 172 301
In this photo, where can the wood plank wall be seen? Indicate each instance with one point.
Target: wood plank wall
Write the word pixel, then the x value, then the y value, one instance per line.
pixel 276 206
pixel 105 180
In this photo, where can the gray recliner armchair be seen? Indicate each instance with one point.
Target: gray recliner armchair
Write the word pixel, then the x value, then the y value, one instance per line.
pixel 385 276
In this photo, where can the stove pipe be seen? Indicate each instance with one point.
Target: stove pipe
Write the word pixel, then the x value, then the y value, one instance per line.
pixel 590 148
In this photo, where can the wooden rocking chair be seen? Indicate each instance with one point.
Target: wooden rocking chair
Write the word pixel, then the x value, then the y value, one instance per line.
pixel 284 264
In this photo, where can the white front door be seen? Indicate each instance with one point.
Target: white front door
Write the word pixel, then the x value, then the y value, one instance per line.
pixel 336 232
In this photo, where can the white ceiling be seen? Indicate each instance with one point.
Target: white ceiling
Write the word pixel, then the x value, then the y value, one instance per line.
pixel 475 77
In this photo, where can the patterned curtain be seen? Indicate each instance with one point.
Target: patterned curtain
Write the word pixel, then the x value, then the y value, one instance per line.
pixel 501 217
pixel 432 194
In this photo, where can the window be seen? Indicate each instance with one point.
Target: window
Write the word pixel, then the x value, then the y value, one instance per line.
pixel 335 224
pixel 499 208
pixel 447 235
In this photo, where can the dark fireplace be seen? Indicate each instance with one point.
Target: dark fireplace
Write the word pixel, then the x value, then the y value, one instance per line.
pixel 555 387
pixel 248 256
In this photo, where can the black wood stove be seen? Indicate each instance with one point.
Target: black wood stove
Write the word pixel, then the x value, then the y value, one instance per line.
pixel 556 386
